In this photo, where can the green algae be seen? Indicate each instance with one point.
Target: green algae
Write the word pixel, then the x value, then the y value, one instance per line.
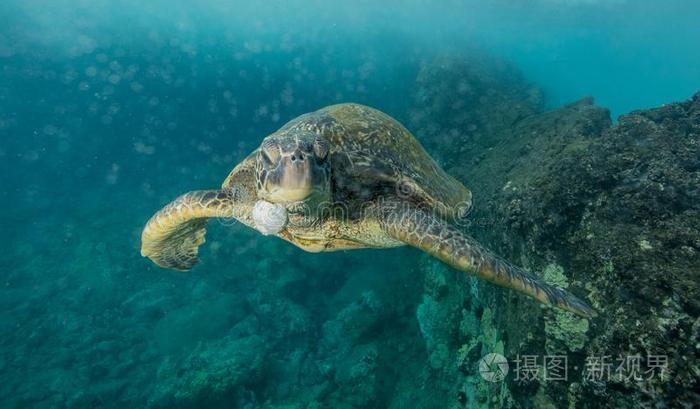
pixel 561 327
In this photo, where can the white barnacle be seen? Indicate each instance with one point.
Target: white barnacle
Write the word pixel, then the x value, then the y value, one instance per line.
pixel 269 218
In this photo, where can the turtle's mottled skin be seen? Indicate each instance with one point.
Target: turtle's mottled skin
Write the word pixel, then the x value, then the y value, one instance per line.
pixel 350 177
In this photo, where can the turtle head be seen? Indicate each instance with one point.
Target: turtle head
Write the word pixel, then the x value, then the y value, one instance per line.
pixel 293 167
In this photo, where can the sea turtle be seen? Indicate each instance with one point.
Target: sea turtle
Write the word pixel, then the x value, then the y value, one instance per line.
pixel 344 177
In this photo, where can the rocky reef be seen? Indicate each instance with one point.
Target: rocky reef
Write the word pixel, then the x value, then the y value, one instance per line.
pixel 462 106
pixel 610 212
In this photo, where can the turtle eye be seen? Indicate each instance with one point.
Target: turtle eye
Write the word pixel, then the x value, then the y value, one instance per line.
pixel 321 148
pixel 270 152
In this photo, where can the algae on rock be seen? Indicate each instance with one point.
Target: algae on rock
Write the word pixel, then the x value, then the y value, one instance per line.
pixel 565 332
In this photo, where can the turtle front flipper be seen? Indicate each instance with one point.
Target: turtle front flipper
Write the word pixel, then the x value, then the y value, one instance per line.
pixel 172 236
pixel 431 234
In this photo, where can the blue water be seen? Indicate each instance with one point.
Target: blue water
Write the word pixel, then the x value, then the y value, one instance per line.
pixel 108 110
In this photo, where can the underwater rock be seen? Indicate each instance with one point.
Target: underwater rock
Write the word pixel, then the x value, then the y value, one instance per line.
pixel 609 211
pixel 213 375
pixel 186 326
pixel 353 322
pixel 279 317
pixel 435 321
pixel 567 188
pixel 463 102
pixel 357 377
pixel 560 327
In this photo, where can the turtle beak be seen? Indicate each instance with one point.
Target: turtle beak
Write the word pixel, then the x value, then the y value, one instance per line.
pixel 295 179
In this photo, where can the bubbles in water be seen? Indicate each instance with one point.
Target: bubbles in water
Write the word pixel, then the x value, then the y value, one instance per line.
pixel 213 108
pixel 107 90
pixel 144 149
pixel 136 87
pixel 287 96
pixel 85 45
pixel 50 130
pixel 6 48
pixel 262 111
pixel 113 174
pixel 114 108
pixel 69 76
pixel 30 156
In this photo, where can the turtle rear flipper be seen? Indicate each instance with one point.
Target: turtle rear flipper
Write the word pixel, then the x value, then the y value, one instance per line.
pixel 172 236
pixel 421 229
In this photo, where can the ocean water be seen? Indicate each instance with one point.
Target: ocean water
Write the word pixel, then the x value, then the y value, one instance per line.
pixel 111 109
